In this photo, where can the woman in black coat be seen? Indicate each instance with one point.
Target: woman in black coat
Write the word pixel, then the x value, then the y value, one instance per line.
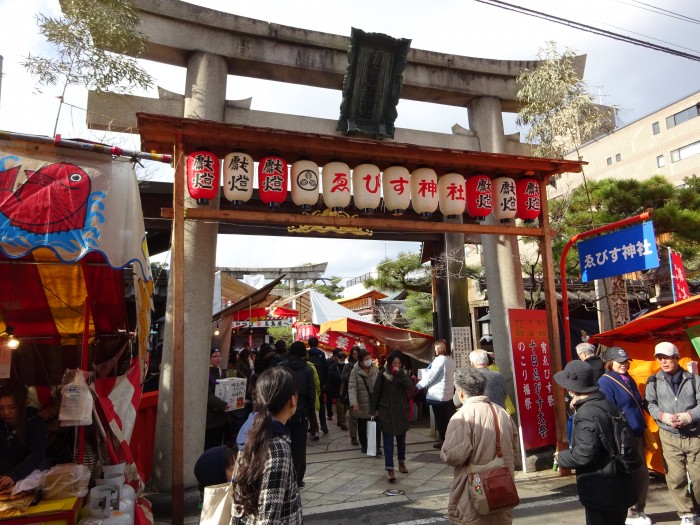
pixel 390 401
pixel 604 492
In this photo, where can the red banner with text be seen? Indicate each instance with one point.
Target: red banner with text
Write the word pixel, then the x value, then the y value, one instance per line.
pixel 533 377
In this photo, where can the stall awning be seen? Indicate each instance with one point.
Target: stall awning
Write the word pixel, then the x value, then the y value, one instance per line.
pixel 70 222
pixel 415 344
pixel 665 324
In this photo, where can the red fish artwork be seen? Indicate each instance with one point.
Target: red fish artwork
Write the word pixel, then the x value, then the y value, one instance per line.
pixel 53 199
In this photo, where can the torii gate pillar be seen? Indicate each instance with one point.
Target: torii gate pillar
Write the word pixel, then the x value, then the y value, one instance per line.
pixel 503 273
pixel 205 96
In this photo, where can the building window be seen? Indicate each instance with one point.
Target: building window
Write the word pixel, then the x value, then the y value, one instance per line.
pixel 618 157
pixel 685 151
pixel 660 162
pixel 682 116
pixel 609 161
pixel 655 128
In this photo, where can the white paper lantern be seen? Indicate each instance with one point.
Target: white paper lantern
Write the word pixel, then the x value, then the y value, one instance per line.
pixel 366 187
pixel 305 183
pixel 424 191
pixel 396 186
pixel 336 185
pixel 505 202
pixel 238 177
pixel 452 191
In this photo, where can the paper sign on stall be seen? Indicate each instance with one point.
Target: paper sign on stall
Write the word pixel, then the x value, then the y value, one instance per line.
pixel 232 390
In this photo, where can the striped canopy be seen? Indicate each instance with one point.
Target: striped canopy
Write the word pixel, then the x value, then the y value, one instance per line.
pixel 70 223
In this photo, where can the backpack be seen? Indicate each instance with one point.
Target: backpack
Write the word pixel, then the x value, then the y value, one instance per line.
pixel 334 373
pixel 624 452
pixel 321 367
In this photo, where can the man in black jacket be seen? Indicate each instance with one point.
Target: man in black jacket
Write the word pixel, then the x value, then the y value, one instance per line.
pixel 604 491
pixel 586 352
pixel 298 424
pixel 318 358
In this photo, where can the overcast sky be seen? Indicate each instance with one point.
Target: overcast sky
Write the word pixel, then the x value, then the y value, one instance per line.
pixel 636 80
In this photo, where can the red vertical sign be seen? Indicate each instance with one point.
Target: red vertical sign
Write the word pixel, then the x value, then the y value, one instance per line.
pixel 533 377
pixel 680 283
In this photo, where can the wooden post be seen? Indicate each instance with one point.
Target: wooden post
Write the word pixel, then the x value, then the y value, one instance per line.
pixel 550 299
pixel 178 370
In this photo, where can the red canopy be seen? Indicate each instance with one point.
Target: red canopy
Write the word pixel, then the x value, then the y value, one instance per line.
pixel 415 344
pixel 665 324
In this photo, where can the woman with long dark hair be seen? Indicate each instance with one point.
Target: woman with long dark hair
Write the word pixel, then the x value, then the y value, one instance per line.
pixel 265 489
pixel 390 401
pixel 22 436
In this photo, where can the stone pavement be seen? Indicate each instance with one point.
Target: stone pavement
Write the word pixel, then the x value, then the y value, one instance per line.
pixel 339 476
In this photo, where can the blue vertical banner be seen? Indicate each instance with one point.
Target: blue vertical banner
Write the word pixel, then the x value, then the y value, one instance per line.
pixel 624 251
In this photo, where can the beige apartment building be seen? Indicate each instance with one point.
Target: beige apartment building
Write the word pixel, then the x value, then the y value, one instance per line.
pixel 666 142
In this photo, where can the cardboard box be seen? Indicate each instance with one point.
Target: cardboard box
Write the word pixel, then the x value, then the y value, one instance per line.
pixel 232 390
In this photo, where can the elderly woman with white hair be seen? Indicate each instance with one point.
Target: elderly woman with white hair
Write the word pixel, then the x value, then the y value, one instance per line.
pixel 471 440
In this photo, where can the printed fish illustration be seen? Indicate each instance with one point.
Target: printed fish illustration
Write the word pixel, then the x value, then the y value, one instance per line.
pixel 53 199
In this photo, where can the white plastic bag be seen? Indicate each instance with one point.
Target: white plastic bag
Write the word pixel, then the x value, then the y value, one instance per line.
pixel 31 482
pixel 371 437
pixel 76 400
pixel 66 481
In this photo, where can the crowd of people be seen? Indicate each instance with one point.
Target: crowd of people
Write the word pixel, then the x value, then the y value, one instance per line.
pixel 297 393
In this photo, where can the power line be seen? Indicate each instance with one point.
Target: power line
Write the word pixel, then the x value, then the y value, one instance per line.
pixel 589 29
pixel 660 11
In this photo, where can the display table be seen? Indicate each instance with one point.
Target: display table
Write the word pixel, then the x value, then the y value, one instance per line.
pixel 49 512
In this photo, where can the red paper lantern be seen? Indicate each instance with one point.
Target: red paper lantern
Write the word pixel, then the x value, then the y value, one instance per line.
pixel 203 176
pixel 272 180
pixel 505 205
pixel 529 200
pixel 479 196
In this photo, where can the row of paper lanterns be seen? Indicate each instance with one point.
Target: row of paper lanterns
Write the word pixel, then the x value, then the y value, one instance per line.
pixel 422 189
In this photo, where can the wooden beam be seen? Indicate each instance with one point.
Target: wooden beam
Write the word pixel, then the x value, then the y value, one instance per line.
pixel 158 134
pixel 380 223
pixel 550 299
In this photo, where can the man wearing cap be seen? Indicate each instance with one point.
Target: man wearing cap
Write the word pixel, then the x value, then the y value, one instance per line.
pixel 673 395
pixel 603 492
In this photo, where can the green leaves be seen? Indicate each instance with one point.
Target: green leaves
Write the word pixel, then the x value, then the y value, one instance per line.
pixel 557 107
pixel 91 42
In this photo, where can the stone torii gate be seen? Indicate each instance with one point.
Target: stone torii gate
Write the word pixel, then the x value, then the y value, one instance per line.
pixel 213 45
pixel 293 274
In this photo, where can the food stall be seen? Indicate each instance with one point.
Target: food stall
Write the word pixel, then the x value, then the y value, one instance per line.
pixel 72 241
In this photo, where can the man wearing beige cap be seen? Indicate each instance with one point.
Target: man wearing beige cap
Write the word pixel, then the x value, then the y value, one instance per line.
pixel 673 395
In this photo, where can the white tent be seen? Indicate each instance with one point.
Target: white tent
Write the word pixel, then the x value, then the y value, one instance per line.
pixel 316 308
